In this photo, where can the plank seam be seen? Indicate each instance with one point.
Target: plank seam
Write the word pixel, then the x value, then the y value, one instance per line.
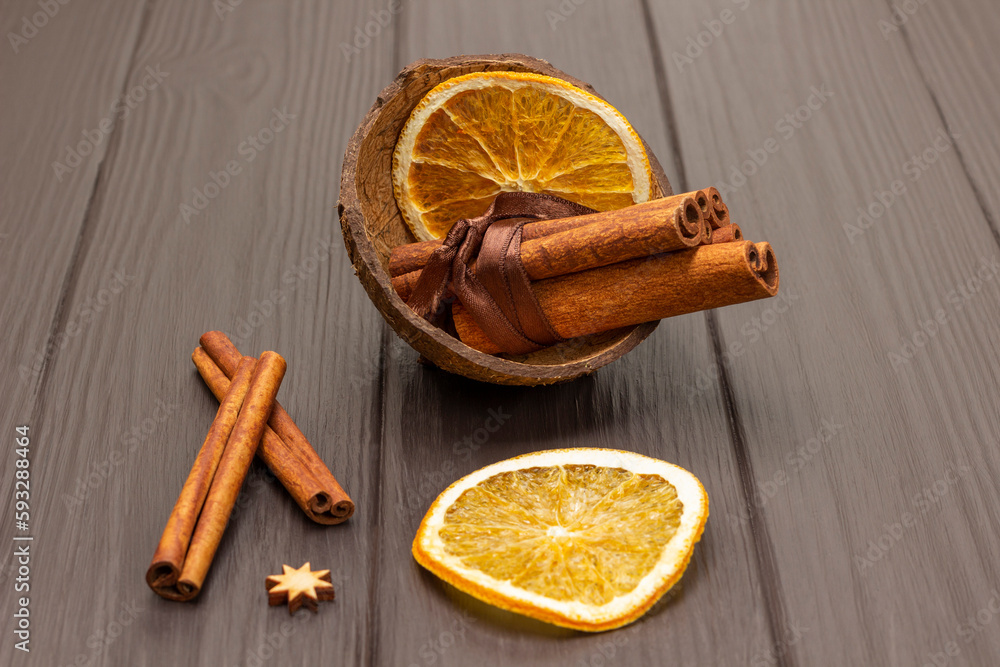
pixel 977 193
pixel 763 546
pixel 371 617
pixel 83 238
pixel 385 339
pixel 663 91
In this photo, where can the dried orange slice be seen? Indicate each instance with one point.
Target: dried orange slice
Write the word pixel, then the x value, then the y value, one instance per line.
pixel 583 538
pixel 477 135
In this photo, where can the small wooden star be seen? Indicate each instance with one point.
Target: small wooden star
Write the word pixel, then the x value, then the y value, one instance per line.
pixel 298 587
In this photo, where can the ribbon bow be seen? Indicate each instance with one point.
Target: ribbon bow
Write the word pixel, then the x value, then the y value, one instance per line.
pixel 497 293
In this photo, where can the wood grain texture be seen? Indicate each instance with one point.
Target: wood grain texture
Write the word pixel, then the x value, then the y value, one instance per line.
pixel 814 443
pixel 436 425
pixel 56 87
pixel 953 47
pixel 262 261
pixel 846 440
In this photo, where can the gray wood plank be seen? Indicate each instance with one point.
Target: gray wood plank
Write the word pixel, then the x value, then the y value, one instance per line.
pixel 59 98
pixel 270 234
pixel 954 49
pixel 60 90
pixel 881 534
pixel 883 521
pixel 716 615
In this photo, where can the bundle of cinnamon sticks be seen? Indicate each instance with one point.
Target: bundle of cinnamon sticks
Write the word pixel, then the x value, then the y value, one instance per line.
pixel 605 271
pixel 249 421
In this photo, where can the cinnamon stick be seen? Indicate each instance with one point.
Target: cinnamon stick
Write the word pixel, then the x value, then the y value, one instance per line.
pixel 168 559
pixel 284 448
pixel 643 290
pixel 232 471
pixel 677 210
pixel 616 237
pixel 703 198
pixel 283 463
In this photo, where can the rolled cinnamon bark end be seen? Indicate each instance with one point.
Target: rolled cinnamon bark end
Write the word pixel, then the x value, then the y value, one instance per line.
pixel 727 234
pixel 288 454
pixel 164 572
pixel 720 212
pixel 765 266
pixel 331 504
pixel 700 197
pixel 232 470
pixel 297 479
pixel 688 217
pixel 643 290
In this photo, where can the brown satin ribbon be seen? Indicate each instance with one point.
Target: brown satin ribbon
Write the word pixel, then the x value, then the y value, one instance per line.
pixel 498 293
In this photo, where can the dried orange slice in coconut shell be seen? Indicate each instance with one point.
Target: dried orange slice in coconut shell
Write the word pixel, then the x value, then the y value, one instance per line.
pixel 583 538
pixel 474 136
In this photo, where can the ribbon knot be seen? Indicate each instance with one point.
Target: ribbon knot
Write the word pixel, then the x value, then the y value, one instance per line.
pixel 497 292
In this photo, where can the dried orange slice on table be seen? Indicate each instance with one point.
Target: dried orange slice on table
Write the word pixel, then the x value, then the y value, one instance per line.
pixel 477 135
pixel 583 538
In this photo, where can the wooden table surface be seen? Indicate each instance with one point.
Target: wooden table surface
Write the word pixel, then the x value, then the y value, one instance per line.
pixel 847 432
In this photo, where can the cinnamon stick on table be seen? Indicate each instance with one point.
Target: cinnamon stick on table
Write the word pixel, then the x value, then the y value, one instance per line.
pixel 643 290
pixel 182 559
pixel 284 448
pixel 679 212
pixel 296 477
pixel 613 236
